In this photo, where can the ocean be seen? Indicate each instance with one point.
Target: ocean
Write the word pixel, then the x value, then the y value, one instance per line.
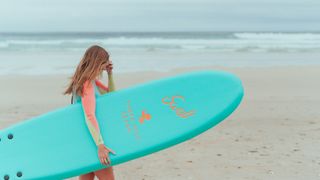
pixel 56 53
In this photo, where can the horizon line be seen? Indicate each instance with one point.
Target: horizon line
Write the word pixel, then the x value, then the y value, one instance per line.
pixel 106 32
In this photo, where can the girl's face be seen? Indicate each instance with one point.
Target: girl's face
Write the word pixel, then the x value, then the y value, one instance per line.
pixel 105 65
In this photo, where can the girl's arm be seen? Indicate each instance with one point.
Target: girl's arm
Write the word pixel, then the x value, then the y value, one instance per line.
pixel 104 89
pixel 101 87
pixel 111 83
pixel 89 106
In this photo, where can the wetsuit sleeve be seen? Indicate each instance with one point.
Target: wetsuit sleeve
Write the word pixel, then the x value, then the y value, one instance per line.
pixel 89 106
pixel 104 89
pixel 101 87
pixel 111 83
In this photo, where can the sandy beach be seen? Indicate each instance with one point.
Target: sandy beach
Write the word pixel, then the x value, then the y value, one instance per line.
pixel 274 134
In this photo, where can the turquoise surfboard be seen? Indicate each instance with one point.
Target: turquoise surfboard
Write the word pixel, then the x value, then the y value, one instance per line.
pixel 134 122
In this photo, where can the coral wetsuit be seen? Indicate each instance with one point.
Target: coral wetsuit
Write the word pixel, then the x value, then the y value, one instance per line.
pixel 91 90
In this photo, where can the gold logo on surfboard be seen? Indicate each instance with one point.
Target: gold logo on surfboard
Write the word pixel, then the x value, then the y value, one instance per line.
pixel 131 123
pixel 178 110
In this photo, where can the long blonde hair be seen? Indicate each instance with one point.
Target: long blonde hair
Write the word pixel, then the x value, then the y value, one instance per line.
pixel 89 68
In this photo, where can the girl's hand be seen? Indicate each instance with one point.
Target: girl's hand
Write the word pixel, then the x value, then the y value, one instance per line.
pixel 103 153
pixel 109 67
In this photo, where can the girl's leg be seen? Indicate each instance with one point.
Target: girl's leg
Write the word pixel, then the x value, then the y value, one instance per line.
pixel 105 174
pixel 88 176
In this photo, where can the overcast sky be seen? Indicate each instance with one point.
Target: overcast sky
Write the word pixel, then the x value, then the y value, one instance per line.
pixel 159 15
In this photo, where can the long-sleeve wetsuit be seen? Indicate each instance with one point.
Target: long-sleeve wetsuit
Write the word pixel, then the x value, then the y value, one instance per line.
pixel 89 105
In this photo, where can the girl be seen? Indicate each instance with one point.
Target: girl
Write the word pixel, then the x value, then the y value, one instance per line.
pixel 85 87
